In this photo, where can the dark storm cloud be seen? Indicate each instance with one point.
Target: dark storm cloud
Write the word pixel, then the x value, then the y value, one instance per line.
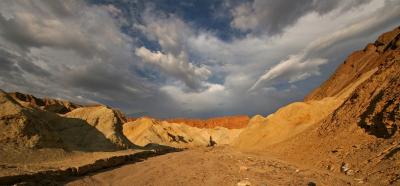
pixel 13 64
pixel 273 17
pixel 19 32
pixel 55 24
pixel 6 65
pixel 52 34
pixel 191 59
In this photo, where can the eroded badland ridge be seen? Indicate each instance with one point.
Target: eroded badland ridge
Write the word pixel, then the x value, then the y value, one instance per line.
pixel 344 132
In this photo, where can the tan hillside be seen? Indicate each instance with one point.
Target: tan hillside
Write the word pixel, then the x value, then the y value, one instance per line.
pixel 23 128
pixel 146 130
pixel 87 129
pixel 292 119
pixel 106 120
pixel 349 125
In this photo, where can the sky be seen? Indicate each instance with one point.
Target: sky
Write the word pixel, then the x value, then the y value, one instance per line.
pixel 192 58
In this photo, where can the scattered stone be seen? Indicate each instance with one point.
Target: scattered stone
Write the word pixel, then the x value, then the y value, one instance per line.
pixel 344 167
pixel 244 183
pixel 243 168
pixel 311 184
pixel 349 172
pixel 359 180
pixel 297 170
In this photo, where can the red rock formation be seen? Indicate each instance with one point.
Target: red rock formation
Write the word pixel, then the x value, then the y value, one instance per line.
pixel 230 122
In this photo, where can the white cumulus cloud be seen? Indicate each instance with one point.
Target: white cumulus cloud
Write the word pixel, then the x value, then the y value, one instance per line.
pixel 176 66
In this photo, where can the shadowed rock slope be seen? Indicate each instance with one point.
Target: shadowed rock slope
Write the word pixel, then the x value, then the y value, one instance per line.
pixel 86 129
pixel 48 104
pixel 106 120
pixel 36 144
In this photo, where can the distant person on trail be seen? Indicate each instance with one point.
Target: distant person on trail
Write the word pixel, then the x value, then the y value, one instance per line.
pixel 212 142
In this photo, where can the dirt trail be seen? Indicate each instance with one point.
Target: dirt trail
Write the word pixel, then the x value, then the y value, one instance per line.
pixel 213 166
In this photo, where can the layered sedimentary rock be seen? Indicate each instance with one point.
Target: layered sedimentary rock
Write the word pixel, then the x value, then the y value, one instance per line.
pixel 230 122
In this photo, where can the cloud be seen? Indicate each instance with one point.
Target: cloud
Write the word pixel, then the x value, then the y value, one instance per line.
pixel 169 31
pixel 152 60
pixel 307 62
pixel 26 29
pixel 197 101
pixel 176 66
pixel 70 50
pixel 294 69
pixel 272 17
pixel 366 26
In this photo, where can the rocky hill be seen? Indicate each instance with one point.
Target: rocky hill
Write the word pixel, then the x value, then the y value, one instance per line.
pixel 48 104
pixel 357 64
pixel 146 130
pixel 21 127
pixel 348 125
pixel 96 128
pixel 106 120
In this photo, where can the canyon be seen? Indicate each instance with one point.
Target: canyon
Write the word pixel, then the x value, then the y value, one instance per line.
pixel 344 132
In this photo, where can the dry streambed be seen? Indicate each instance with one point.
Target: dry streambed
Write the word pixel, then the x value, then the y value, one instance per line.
pixel 73 165
pixel 221 165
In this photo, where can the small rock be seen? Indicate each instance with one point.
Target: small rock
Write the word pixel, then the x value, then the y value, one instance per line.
pixel 297 170
pixel 349 172
pixel 244 183
pixel 344 167
pixel 311 184
pixel 359 180
pixel 243 168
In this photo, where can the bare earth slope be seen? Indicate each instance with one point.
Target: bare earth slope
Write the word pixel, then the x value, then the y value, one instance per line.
pixel 35 143
pixel 22 127
pixel 86 129
pixel 356 64
pixel 358 136
pixel 146 130
pixel 106 120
